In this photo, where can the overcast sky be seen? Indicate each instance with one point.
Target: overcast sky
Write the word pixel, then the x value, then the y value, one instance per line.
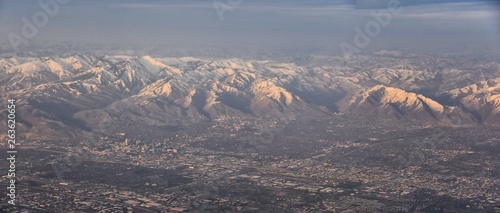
pixel 312 25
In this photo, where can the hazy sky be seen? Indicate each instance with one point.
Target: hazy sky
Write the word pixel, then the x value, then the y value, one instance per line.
pixel 313 25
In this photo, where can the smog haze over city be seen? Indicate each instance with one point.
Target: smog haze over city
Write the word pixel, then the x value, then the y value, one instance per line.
pixel 250 106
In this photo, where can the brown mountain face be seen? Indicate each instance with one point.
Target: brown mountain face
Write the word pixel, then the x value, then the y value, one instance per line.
pixel 482 100
pixel 88 93
pixel 397 103
pixel 165 100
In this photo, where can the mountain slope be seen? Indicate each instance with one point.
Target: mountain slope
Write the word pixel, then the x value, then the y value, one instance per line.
pixel 388 101
pixel 90 93
pixel 481 99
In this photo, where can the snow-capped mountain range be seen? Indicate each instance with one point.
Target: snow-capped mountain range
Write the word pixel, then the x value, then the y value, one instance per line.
pixel 89 92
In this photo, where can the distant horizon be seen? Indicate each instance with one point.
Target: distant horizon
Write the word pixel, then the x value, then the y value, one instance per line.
pixel 283 27
pixel 219 54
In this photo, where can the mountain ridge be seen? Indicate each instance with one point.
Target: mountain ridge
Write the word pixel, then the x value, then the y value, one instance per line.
pixel 89 92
